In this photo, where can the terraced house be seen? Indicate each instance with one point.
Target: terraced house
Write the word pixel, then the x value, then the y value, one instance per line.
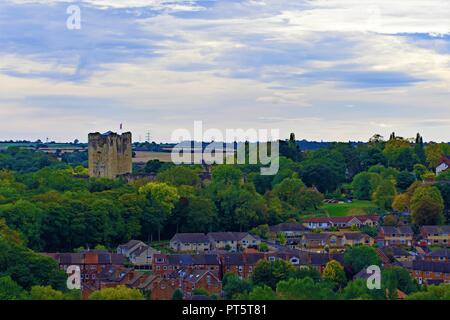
pixel 232 241
pixel 341 222
pixel 429 272
pixel 325 241
pixel 436 235
pixel 190 242
pixel 395 236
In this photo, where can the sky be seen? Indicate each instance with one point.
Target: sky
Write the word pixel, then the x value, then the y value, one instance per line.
pixel 324 69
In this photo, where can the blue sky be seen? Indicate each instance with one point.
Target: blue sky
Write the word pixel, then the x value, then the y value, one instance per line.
pixel 324 69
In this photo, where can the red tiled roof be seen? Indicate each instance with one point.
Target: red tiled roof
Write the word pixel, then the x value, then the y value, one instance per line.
pixel 445 160
pixel 342 219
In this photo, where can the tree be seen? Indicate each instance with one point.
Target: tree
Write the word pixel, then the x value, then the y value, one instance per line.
pixel 404 180
pixel 179 175
pixel 201 214
pixel 45 293
pixel 271 272
pixel 324 169
pixel 384 194
pixel 177 294
pixel 359 257
pixel 358 290
pixel 261 231
pixel 335 273
pixel 364 185
pixel 434 154
pixel 303 289
pixel 118 293
pixel 432 292
pixel 401 202
pixel 233 285
pixel 10 290
pixel 427 206
pixel 162 198
pixel 420 170
pixel 261 293
pixel 394 278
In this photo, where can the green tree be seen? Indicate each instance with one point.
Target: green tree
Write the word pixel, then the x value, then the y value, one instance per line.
pixel 427 206
pixel 10 290
pixel 45 293
pixel 179 175
pixel 177 295
pixel 335 273
pixel 404 180
pixel 384 194
pixel 394 278
pixel 233 285
pixel 359 257
pixel 364 185
pixel 271 272
pixel 261 293
pixel 162 198
pixel 303 289
pixel 432 292
pixel 117 293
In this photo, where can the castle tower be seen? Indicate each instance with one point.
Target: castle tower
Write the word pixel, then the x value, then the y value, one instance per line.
pixel 109 154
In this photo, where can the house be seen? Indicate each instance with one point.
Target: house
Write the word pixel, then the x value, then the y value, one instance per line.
pixel 190 242
pixel 142 258
pixel 91 263
pixel 442 255
pixel 163 288
pixel 240 264
pixel 127 248
pixel 139 254
pixel 164 264
pixel 324 241
pixel 397 254
pixel 341 222
pixel 395 236
pixel 232 241
pixel 198 279
pixel 436 235
pixel 319 261
pixel 293 232
pixel 429 272
pixel 358 238
pixel 443 166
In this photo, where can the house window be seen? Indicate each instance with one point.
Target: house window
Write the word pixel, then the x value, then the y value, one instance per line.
pixel 250 269
pixel 208 279
pixel 240 268
pixel 271 258
pixel 165 268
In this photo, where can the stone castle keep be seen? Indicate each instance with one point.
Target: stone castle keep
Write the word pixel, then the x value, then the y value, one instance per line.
pixel 109 154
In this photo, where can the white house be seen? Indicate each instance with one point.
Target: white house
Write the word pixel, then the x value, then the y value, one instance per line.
pixel 443 165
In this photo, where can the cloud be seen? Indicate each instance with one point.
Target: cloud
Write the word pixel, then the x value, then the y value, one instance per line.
pixel 160 65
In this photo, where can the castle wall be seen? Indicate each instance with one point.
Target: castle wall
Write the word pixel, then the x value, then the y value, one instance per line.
pixel 110 154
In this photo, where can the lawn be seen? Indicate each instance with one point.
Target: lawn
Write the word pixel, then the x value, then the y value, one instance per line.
pixel 355 208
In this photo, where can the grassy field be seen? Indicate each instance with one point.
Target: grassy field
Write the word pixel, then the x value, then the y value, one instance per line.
pixel 357 207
